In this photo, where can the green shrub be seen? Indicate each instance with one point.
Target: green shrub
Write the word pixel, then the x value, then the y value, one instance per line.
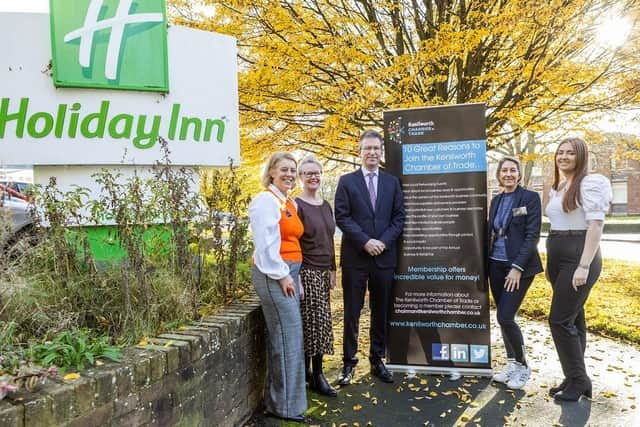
pixel 74 349
pixel 197 256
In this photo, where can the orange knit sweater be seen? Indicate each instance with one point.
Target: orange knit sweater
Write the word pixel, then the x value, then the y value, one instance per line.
pixel 291 229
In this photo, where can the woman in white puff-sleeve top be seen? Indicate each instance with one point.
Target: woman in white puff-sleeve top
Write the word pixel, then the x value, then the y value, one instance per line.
pixel 577 207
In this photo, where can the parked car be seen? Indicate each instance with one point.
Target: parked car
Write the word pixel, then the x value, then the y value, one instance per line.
pixel 15 216
pixel 19 186
pixel 15 189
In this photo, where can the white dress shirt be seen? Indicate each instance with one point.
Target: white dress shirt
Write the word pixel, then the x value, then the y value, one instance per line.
pixel 595 194
pixel 265 212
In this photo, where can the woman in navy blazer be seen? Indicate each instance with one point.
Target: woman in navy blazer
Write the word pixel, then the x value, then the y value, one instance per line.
pixel 515 218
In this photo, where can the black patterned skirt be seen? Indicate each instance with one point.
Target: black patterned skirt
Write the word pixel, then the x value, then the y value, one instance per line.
pixel 316 311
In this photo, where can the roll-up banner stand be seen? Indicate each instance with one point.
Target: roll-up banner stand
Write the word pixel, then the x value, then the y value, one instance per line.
pixel 439 316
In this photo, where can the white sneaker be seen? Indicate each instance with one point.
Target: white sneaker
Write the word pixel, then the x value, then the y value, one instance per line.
pixel 520 377
pixel 507 373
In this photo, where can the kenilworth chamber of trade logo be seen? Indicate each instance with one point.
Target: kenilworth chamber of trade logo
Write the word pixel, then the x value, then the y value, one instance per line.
pixel 114 44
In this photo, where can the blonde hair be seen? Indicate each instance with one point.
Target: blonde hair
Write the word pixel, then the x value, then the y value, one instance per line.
pixel 271 165
pixel 502 162
pixel 309 159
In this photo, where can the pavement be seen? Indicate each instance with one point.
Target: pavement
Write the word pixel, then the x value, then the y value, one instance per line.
pixel 621 247
pixel 428 400
pixel 613 237
pixel 437 400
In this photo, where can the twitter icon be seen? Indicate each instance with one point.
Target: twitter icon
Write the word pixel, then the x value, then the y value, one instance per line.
pixel 479 353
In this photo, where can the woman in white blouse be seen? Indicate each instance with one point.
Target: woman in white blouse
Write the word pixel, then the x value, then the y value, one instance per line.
pixel 276 230
pixel 577 206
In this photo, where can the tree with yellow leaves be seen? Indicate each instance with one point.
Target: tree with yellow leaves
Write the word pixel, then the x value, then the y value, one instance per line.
pixel 314 73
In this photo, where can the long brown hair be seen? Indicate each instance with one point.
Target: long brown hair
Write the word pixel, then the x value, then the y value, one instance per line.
pixel 571 197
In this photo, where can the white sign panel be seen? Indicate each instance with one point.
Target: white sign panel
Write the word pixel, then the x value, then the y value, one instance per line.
pixel 44 125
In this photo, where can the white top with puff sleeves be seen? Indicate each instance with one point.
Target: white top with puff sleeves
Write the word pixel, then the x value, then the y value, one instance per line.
pixel 595 196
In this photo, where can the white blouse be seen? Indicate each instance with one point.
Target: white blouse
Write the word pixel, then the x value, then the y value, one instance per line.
pixel 264 218
pixel 596 196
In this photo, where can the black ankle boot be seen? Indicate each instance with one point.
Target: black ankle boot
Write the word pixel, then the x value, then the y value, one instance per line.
pixel 575 389
pixel 319 383
pixel 308 377
pixel 558 388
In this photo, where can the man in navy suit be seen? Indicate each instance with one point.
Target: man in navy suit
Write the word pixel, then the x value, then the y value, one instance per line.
pixel 369 209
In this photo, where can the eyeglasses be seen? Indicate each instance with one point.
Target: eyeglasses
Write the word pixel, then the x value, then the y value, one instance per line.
pixel 309 174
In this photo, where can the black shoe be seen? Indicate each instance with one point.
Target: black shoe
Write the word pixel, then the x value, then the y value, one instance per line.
pixel 322 386
pixel 554 390
pixel 346 376
pixel 380 371
pixel 319 382
pixel 574 390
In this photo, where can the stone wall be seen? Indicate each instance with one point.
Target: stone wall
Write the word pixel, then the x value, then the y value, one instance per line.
pixel 209 373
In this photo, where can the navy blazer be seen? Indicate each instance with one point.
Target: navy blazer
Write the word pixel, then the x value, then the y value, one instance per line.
pixel 359 223
pixel 522 231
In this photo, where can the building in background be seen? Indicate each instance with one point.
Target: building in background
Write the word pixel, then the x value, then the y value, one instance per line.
pixel 624 174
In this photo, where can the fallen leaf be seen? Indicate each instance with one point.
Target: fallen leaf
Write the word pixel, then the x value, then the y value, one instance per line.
pixel 71 377
pixel 357 407
pixel 414 409
pixel 442 415
pixel 142 342
pixel 99 363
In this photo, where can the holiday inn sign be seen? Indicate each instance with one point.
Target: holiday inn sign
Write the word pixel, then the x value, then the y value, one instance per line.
pixel 118 44
pixel 99 82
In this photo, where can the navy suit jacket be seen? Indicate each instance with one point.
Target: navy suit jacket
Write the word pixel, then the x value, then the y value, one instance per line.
pixel 359 222
pixel 522 231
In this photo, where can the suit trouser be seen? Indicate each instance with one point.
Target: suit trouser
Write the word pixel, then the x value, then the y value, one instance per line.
pixel 507 306
pixel 566 317
pixel 285 394
pixel 355 283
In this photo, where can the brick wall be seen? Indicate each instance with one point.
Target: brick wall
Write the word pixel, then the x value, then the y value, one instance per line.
pixel 633 193
pixel 208 373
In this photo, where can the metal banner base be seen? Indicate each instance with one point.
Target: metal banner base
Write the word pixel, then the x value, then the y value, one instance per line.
pixel 454 373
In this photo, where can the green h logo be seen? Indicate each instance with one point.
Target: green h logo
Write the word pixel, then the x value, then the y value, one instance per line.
pixel 115 44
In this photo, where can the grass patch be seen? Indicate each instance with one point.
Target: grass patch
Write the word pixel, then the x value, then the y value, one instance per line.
pixel 613 307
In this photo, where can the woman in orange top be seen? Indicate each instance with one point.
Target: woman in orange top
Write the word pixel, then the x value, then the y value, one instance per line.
pixel 276 230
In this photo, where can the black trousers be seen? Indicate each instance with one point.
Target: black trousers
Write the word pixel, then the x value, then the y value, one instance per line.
pixel 566 318
pixel 507 306
pixel 355 283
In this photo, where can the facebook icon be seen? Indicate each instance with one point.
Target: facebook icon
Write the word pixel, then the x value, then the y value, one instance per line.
pixel 440 351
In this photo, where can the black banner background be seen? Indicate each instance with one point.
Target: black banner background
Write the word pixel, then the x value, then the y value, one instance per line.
pixel 439 315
